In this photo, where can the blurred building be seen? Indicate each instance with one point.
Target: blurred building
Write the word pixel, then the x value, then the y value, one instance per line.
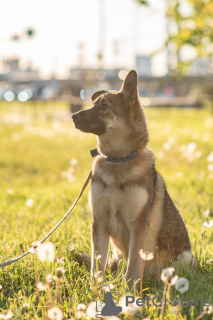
pixel 143 66
pixel 201 67
pixel 14 73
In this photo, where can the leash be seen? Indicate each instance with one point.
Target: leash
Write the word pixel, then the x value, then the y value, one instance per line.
pixel 9 262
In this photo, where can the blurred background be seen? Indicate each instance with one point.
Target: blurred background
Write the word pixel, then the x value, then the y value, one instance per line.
pixel 65 50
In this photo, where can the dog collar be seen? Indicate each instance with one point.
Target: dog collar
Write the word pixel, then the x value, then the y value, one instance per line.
pixel 130 156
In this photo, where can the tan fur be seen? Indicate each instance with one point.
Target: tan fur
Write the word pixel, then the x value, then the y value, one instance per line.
pixel 129 201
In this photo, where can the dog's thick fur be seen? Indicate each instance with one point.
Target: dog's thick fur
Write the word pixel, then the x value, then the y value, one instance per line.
pixel 129 201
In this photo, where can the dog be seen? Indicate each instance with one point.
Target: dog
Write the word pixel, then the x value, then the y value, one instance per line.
pixel 128 198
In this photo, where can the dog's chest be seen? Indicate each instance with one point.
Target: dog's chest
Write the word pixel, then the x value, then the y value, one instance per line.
pixel 115 202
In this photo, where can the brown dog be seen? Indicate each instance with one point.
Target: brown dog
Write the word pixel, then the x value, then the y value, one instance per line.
pixel 129 201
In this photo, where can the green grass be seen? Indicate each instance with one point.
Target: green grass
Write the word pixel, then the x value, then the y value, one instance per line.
pixel 37 142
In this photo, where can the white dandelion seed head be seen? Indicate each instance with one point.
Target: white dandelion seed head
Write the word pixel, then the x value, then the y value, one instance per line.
pixel 25 306
pixel 166 274
pixel 74 161
pixel 179 174
pixel 146 255
pixel 182 285
pixel 8 316
pixel 81 306
pixel 10 191
pixel 60 260
pixel 29 203
pixel 210 167
pixel 206 213
pixel 166 146
pixel 35 246
pixel 60 272
pixel 91 309
pixel 46 252
pixel 108 287
pixel 210 157
pixel 208 309
pixel 174 280
pixel 208 224
pixel 191 147
pixel 79 314
pixel 40 286
pixel 55 314
pixel 1 287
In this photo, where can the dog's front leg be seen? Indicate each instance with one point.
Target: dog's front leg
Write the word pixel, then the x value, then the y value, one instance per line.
pixel 138 239
pixel 100 247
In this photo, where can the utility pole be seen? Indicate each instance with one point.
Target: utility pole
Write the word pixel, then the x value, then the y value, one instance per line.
pixel 102 32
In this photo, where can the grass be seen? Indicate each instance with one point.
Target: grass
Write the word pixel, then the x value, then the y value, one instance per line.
pixel 38 150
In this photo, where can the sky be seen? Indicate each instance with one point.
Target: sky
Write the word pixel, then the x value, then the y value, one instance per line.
pixel 70 33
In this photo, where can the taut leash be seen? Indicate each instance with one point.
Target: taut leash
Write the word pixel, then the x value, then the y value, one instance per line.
pixel 9 262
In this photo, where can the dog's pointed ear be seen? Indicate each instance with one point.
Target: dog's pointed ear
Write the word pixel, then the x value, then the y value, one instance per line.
pixel 130 87
pixel 97 94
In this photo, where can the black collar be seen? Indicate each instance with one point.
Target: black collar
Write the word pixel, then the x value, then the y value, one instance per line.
pixel 130 156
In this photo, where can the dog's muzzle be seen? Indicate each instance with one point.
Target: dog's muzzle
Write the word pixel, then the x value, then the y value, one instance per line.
pixel 88 121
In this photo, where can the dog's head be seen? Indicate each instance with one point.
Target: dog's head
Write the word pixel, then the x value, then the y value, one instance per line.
pixel 115 113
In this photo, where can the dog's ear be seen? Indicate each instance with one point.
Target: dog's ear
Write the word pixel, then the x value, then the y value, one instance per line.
pixel 130 87
pixel 97 94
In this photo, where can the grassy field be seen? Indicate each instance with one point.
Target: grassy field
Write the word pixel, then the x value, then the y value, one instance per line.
pixel 43 164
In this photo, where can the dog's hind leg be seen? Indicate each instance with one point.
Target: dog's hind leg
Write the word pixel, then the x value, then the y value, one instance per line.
pixel 187 259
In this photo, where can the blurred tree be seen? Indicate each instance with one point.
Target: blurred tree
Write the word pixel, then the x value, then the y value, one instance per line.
pixel 143 2
pixel 30 32
pixel 190 32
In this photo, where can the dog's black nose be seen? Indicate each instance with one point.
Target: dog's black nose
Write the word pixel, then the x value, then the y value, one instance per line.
pixel 76 116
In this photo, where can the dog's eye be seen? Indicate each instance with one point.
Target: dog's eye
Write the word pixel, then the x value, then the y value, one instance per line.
pixel 104 106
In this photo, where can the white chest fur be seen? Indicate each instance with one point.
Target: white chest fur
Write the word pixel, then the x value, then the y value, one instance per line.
pixel 112 200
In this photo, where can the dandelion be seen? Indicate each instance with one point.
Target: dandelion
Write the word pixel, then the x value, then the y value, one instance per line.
pixel 182 285
pixel 29 203
pixel 46 252
pixel 60 260
pixel 208 224
pixel 166 274
pixel 166 146
pixel 55 314
pixel 179 174
pixel 74 161
pixel 50 279
pixel 60 272
pixel 91 310
pixel 81 306
pixel 109 287
pixel 160 155
pixel 191 147
pixel 146 255
pixel 79 314
pixel 206 212
pixel 208 309
pixel 35 246
pixel 10 191
pixel 40 286
pixel 174 280
pixel 210 167
pixel 210 157
pixel 7 316
pixel 25 307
